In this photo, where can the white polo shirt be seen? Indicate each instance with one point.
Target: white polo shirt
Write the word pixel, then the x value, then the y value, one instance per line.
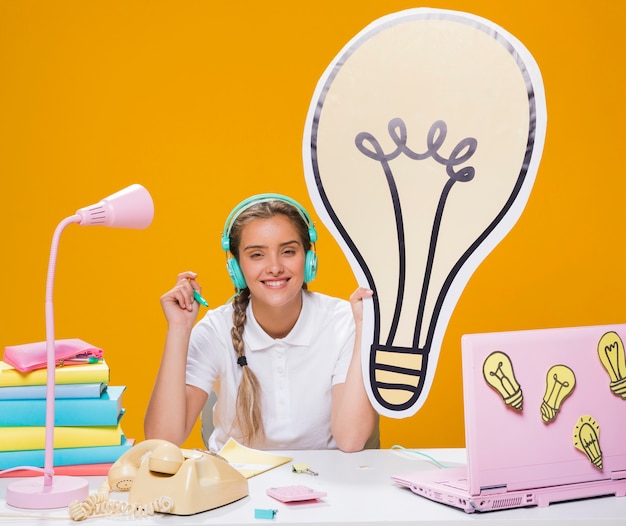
pixel 296 373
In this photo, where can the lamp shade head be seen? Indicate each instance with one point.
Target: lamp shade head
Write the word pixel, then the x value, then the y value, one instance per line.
pixel 131 207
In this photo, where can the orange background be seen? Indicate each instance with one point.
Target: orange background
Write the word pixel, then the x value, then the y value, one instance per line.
pixel 204 104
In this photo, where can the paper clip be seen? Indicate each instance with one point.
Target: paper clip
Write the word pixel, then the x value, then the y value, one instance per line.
pixel 303 468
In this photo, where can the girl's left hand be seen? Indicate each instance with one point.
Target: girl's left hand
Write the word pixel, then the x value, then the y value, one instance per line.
pixel 356 301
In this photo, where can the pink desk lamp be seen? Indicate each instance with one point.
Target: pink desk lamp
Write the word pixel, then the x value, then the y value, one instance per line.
pixel 131 207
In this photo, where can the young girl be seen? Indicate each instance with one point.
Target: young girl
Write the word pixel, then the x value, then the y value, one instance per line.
pixel 284 361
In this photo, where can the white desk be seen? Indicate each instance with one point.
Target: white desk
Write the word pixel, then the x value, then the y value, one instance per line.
pixel 360 491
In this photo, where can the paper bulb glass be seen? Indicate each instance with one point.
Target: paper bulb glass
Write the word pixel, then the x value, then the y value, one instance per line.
pixel 421 147
pixel 560 382
pixel 498 373
pixel 613 357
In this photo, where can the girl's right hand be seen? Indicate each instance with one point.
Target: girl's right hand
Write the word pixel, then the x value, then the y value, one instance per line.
pixel 178 304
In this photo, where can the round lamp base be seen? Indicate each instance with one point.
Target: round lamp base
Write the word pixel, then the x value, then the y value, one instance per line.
pixel 30 493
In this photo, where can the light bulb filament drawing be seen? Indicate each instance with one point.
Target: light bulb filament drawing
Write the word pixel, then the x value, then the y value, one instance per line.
pixel 368 145
pixel 560 382
pixel 506 386
pixel 613 357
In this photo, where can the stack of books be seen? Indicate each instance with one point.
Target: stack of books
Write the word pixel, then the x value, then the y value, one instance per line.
pixel 88 436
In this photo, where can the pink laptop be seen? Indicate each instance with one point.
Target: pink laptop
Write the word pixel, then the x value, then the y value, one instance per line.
pixel 545 420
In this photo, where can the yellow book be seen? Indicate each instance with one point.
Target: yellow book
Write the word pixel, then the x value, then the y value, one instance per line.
pixel 26 438
pixel 70 374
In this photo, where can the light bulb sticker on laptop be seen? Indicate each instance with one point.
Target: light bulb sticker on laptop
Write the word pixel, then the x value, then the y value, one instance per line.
pixel 560 382
pixel 613 358
pixel 499 374
pixel 587 439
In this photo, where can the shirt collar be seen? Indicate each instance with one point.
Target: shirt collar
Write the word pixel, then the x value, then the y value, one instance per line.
pixel 257 339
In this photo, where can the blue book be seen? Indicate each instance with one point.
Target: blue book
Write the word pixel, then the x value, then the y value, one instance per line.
pixel 30 392
pixel 65 456
pixel 68 412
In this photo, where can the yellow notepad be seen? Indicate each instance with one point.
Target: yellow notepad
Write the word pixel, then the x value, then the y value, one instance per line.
pixel 25 438
pixel 250 462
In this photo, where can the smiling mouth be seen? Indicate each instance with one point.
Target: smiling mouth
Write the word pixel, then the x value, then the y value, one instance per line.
pixel 275 283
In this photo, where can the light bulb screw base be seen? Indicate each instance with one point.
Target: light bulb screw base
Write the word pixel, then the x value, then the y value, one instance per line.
pixel 516 400
pixel 619 387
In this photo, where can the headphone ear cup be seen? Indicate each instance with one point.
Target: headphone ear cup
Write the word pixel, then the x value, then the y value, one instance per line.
pixel 310 266
pixel 225 242
pixel 236 276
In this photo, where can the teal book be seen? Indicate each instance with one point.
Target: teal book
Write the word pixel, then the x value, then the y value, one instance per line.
pixel 31 392
pixel 65 456
pixel 103 411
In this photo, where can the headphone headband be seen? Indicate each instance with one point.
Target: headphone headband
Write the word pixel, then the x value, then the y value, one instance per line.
pixel 264 198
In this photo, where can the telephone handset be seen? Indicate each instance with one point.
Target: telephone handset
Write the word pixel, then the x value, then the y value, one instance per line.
pixel 163 457
pixel 162 477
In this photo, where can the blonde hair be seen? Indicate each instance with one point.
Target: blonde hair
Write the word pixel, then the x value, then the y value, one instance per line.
pixel 248 417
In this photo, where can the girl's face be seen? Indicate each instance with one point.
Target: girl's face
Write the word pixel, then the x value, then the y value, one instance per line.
pixel 271 257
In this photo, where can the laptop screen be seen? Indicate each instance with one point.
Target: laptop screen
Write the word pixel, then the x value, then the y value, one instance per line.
pixel 544 407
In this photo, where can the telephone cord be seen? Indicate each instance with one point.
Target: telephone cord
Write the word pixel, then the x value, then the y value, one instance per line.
pixel 80 511
pixel 420 453
pixel 100 505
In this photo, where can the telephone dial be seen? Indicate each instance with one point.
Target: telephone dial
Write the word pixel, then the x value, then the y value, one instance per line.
pixel 160 477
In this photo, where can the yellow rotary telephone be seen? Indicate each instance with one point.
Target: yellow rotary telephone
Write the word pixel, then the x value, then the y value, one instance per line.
pixel 161 477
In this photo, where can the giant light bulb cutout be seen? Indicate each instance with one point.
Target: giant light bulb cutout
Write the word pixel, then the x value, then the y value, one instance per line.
pixel 420 150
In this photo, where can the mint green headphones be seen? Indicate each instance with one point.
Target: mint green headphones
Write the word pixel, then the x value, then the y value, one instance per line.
pixel 234 270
